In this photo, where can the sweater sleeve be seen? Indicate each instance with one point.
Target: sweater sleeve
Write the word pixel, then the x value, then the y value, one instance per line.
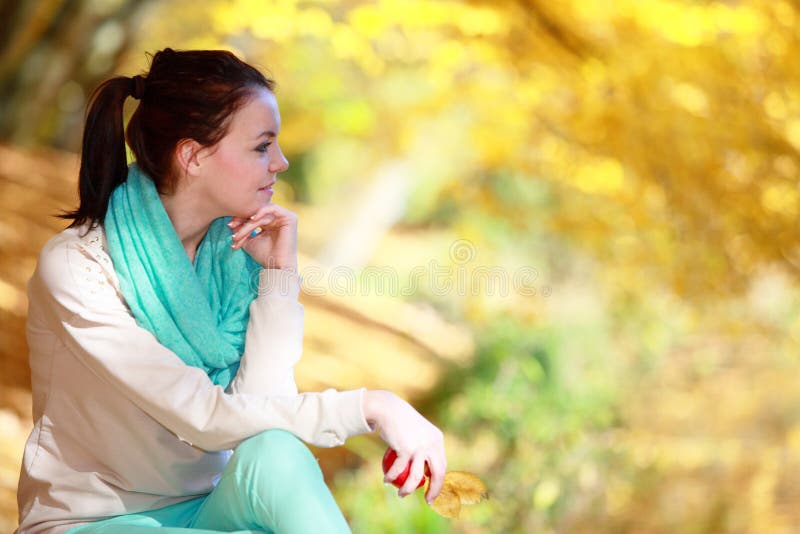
pixel 99 330
pixel 274 340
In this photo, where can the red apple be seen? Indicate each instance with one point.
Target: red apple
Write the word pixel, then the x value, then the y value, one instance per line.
pixel 388 460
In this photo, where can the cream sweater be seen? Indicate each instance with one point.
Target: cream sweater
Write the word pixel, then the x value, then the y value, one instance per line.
pixel 121 423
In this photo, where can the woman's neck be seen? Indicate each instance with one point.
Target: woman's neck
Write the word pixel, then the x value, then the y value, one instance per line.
pixel 186 214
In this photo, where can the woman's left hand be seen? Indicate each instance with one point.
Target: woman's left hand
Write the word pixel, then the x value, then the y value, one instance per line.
pixel 415 439
pixel 275 245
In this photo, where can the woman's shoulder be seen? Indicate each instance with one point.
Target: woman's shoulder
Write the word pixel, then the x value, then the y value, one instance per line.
pixel 77 258
pixel 63 248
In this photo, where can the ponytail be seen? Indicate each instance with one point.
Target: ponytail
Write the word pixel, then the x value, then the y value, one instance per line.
pixel 103 158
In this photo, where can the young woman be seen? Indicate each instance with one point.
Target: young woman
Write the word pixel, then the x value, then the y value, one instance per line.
pixel 164 326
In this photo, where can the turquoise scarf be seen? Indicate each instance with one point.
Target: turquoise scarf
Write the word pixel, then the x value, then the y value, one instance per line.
pixel 199 311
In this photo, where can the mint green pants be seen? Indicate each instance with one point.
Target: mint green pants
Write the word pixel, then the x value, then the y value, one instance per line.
pixel 272 484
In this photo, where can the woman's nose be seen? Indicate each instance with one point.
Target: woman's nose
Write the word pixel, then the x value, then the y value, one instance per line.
pixel 280 163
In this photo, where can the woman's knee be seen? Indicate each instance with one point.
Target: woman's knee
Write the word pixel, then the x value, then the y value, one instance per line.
pixel 275 455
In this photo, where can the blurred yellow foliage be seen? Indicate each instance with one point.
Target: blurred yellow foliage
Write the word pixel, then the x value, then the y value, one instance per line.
pixel 644 155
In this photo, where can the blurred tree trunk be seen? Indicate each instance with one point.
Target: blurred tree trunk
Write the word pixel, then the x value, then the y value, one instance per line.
pixel 52 53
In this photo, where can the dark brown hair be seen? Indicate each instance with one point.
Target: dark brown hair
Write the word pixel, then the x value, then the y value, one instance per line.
pixel 188 94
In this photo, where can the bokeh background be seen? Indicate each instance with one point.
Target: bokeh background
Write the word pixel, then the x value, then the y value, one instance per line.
pixel 628 169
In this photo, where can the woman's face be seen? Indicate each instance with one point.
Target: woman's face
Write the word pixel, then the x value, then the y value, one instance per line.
pixel 239 171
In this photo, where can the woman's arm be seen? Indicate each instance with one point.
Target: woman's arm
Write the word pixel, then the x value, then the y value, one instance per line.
pixel 274 343
pixel 98 329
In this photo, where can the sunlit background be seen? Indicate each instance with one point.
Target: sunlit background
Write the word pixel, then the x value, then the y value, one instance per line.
pixel 565 230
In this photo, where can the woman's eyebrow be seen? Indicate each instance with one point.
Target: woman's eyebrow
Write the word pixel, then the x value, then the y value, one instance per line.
pixel 266 133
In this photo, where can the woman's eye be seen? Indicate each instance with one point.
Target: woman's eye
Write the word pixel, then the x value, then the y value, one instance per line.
pixel 263 147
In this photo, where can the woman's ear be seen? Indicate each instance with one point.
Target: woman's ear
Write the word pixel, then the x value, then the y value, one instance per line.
pixel 187 156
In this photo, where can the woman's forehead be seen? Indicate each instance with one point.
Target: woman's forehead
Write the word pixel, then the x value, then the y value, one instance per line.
pixel 258 115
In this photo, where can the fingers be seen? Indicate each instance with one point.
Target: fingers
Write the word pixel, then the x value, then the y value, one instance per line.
pixel 268 208
pixel 438 469
pixel 266 216
pixel 398 467
pixel 414 476
pixel 251 229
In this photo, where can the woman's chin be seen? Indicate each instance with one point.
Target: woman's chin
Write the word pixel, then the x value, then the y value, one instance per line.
pixel 265 193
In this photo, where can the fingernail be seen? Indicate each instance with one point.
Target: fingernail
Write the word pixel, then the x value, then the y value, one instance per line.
pixel 234 235
pixel 252 217
pixel 230 224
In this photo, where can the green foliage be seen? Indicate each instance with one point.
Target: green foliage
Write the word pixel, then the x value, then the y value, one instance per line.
pixel 372 506
pixel 522 390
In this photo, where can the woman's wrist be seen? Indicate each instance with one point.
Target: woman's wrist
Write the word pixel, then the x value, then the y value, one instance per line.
pixel 276 263
pixel 375 401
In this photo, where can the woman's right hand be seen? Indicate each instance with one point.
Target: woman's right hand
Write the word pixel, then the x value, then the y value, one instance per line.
pixel 413 437
pixel 275 244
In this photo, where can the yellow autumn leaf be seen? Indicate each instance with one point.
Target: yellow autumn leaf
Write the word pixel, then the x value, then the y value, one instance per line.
pixel 469 488
pixel 447 503
pixel 459 487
